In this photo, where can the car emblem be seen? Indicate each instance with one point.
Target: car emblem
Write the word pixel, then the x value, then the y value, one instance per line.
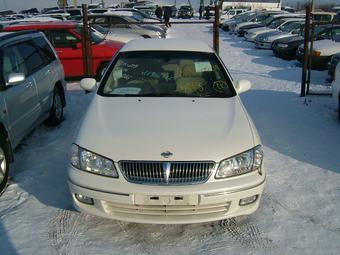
pixel 166 171
pixel 166 154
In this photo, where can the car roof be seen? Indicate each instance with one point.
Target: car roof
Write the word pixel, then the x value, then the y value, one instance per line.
pixel 43 25
pixel 2 34
pixel 167 45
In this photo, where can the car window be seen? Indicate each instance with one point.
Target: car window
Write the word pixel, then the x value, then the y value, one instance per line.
pixel 31 56
pixel 335 33
pixel 188 74
pixel 12 62
pixel 117 20
pixel 45 49
pixel 63 39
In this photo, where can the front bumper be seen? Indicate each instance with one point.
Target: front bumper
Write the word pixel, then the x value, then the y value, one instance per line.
pixel 284 53
pixel 122 200
pixel 250 37
pixel 263 45
pixel 318 63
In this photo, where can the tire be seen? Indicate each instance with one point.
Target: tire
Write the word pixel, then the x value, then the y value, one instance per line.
pixel 4 163
pixel 57 109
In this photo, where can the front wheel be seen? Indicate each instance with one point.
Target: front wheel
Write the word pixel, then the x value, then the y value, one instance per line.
pixel 4 163
pixel 57 109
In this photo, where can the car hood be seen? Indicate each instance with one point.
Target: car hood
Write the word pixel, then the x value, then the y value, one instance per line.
pixel 122 37
pixel 243 24
pixel 131 128
pixel 295 39
pixel 279 36
pixel 327 47
pixel 260 30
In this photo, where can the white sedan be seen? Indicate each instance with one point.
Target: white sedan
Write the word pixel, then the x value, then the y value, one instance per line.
pixel 166 139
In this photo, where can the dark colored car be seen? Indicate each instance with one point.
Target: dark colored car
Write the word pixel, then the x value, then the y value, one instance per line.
pixel 286 48
pixel 185 12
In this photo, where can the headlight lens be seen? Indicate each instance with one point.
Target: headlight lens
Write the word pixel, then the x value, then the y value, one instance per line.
pixel 91 162
pixel 240 164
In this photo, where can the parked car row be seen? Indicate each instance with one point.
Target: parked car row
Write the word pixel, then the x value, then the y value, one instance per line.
pixel 283 33
pixel 109 32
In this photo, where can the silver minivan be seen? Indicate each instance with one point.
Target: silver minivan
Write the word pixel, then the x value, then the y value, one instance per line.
pixel 31 90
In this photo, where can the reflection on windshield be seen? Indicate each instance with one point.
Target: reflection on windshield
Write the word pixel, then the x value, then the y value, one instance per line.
pixel 167 74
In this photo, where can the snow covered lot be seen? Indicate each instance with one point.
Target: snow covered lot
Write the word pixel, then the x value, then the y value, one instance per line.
pixel 300 209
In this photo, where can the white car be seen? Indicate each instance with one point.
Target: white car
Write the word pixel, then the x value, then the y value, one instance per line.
pixel 166 139
pixel 336 89
pixel 231 13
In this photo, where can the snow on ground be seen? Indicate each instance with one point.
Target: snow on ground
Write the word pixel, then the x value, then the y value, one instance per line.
pixel 299 212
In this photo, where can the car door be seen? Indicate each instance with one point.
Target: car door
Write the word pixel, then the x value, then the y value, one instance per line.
pixel 45 77
pixel 22 108
pixel 69 49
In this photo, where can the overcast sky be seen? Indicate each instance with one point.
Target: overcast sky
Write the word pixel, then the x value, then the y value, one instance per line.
pixel 17 5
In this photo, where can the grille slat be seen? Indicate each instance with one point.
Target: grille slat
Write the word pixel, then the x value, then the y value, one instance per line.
pixel 152 172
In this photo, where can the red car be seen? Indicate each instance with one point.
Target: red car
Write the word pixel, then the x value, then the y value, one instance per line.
pixel 66 39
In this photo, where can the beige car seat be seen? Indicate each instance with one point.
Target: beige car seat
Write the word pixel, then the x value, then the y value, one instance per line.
pixel 190 81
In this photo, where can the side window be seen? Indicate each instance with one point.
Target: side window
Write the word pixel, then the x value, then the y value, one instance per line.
pixel 12 62
pixel 117 20
pixel 45 49
pixel 335 33
pixel 63 39
pixel 31 57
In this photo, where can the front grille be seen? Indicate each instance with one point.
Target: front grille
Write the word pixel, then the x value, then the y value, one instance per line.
pixel 166 173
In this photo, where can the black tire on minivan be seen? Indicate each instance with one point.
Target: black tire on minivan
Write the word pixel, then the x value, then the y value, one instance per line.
pixel 57 109
pixel 4 163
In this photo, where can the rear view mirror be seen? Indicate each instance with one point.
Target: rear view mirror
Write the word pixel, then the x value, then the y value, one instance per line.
pixel 88 84
pixel 15 78
pixel 243 86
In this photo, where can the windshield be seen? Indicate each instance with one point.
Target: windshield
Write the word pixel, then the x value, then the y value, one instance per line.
pixel 166 74
pixel 276 23
pixel 96 36
pixel 289 26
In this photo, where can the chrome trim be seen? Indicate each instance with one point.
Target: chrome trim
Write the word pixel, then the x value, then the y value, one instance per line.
pixel 153 172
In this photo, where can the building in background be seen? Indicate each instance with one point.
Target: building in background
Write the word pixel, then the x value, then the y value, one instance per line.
pixel 252 4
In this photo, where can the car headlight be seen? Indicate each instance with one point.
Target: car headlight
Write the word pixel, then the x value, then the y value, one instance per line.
pixel 282 45
pixel 243 163
pixel 265 39
pixel 92 162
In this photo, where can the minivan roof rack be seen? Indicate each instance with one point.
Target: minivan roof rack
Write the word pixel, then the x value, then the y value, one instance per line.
pixel 9 35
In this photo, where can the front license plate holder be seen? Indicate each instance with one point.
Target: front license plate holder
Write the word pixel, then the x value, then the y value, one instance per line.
pixel 166 200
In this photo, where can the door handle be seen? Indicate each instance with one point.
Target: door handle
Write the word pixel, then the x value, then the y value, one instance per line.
pixel 48 72
pixel 29 85
pixel 59 51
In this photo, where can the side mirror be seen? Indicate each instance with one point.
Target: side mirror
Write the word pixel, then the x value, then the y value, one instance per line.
pixel 243 86
pixel 15 78
pixel 88 84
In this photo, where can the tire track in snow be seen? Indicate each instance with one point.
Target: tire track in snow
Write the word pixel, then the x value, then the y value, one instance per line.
pixel 64 227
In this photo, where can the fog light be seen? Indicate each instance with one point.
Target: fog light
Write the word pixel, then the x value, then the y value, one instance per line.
pixel 84 199
pixel 248 200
